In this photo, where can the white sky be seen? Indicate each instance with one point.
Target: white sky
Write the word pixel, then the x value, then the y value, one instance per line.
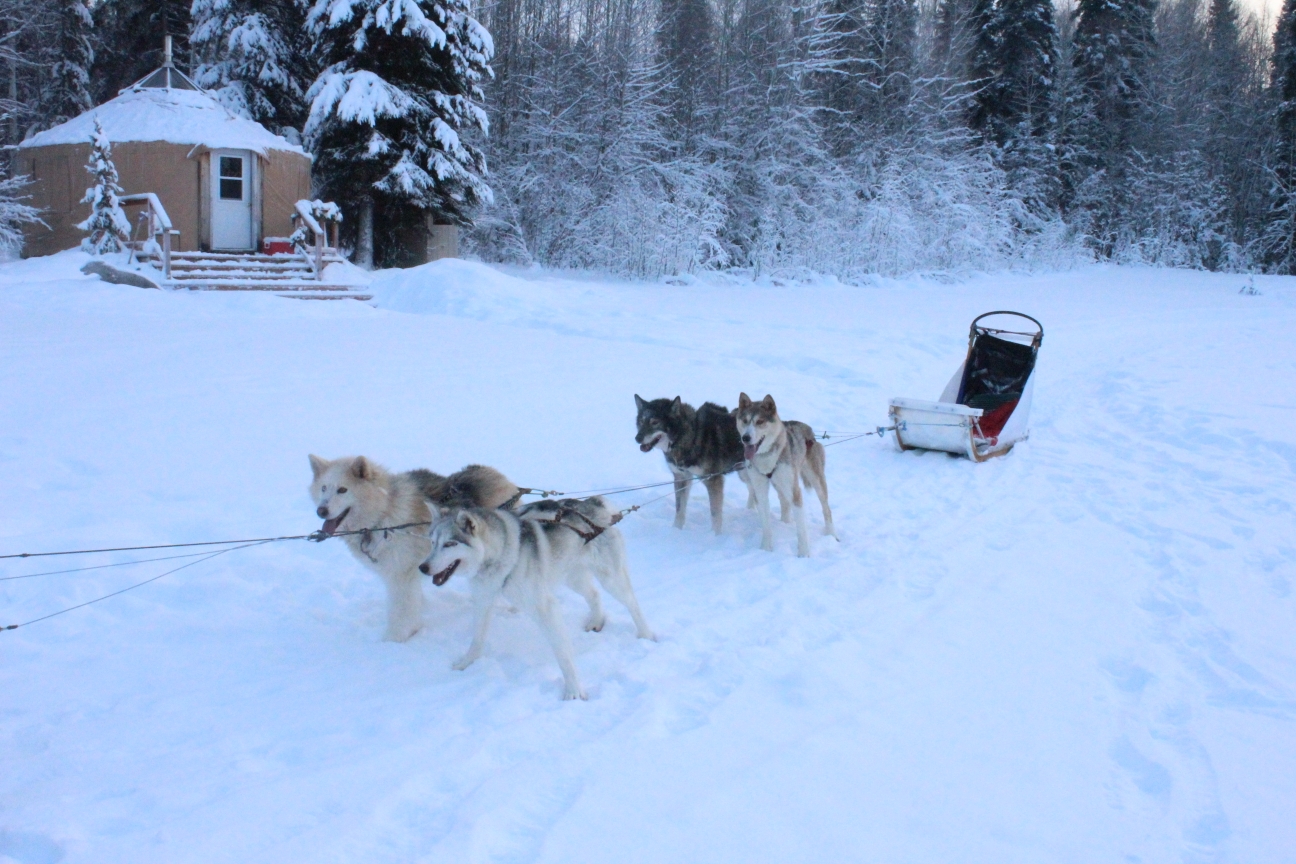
pixel 1263 7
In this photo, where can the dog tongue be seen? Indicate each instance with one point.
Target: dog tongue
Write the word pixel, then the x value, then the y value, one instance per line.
pixel 646 446
pixel 331 525
pixel 749 450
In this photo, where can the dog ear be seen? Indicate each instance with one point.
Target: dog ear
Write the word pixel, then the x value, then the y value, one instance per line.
pixel 361 469
pixel 467 523
pixel 768 402
pixel 744 401
pixel 675 406
pixel 639 402
pixel 318 465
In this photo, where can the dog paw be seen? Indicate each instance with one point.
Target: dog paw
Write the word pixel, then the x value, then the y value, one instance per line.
pixel 647 634
pixel 463 663
pixel 803 553
pixel 595 625
pixel 571 693
pixel 403 635
pixel 767 545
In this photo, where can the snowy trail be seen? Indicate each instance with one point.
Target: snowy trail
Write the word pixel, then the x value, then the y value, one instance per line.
pixel 1083 651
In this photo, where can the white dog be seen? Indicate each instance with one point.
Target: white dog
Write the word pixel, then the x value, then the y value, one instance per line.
pixel 355 494
pixel 523 557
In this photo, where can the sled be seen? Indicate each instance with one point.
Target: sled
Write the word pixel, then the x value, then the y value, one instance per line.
pixel 985 408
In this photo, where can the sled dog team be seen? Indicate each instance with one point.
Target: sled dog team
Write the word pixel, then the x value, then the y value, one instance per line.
pixel 523 553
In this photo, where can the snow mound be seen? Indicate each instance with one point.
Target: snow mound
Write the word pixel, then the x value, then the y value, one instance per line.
pixel 452 286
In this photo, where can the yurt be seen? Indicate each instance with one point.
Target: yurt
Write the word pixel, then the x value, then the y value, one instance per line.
pixel 225 182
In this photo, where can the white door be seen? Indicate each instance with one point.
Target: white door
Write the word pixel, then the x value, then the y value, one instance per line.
pixel 232 200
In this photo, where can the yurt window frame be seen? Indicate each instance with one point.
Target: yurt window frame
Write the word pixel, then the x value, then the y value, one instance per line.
pixel 240 178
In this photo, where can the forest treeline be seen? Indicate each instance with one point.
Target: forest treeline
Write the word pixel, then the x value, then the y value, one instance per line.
pixel 649 137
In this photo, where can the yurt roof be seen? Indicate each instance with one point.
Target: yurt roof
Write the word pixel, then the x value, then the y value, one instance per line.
pixel 166 106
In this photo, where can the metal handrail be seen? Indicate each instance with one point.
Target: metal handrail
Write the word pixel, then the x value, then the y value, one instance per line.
pixel 157 217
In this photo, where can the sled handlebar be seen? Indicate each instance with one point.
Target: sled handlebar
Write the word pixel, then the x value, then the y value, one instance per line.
pixel 1037 338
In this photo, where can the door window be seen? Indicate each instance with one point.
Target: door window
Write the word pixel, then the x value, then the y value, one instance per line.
pixel 231 178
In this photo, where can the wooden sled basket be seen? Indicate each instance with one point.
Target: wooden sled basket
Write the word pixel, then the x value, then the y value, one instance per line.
pixel 985 408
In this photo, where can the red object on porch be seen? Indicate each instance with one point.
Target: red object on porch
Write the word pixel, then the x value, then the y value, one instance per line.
pixel 277 246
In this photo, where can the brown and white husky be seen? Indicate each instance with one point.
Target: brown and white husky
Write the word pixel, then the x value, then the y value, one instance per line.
pixel 786 455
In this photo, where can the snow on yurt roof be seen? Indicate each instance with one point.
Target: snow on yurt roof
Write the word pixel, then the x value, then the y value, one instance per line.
pixel 162 108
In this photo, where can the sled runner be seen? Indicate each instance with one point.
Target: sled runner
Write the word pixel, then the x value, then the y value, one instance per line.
pixel 985 408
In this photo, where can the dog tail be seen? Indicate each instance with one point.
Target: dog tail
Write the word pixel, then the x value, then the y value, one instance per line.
pixel 430 484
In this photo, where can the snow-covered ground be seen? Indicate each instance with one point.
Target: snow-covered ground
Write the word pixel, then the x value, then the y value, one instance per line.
pixel 1082 652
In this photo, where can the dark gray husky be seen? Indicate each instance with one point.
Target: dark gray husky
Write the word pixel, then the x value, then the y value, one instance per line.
pixel 697 443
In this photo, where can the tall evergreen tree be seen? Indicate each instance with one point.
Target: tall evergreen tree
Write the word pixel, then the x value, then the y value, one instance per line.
pixel 686 52
pixel 1280 232
pixel 255 56
pixel 1016 67
pixel 1234 129
pixel 891 37
pixel 67 90
pixel 392 112
pixel 1114 41
pixel 128 41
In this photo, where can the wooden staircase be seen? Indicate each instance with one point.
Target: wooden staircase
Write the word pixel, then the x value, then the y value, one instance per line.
pixel 286 275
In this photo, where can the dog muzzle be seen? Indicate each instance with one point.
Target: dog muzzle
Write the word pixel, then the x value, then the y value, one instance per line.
pixel 750 450
pixel 443 577
pixel 652 442
pixel 331 525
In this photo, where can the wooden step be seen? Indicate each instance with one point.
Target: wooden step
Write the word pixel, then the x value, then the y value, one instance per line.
pixel 243 276
pixel 241 265
pixel 308 285
pixel 340 295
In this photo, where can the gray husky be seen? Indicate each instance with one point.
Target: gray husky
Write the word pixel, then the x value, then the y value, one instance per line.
pixel 355 494
pixel 697 444
pixel 524 556
pixel 784 454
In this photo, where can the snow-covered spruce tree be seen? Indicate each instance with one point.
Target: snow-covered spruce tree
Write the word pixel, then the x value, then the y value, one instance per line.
pixel 391 112
pixel 255 57
pixel 14 213
pixel 107 226
pixel 1235 125
pixel 66 93
pixel 128 37
pixel 1015 63
pixel 686 52
pixel 1280 230
pixel 1114 40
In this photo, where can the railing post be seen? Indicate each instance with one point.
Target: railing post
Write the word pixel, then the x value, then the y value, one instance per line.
pixel 319 257
pixel 166 253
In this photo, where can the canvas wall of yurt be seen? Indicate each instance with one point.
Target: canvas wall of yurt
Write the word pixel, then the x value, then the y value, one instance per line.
pixel 225 181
